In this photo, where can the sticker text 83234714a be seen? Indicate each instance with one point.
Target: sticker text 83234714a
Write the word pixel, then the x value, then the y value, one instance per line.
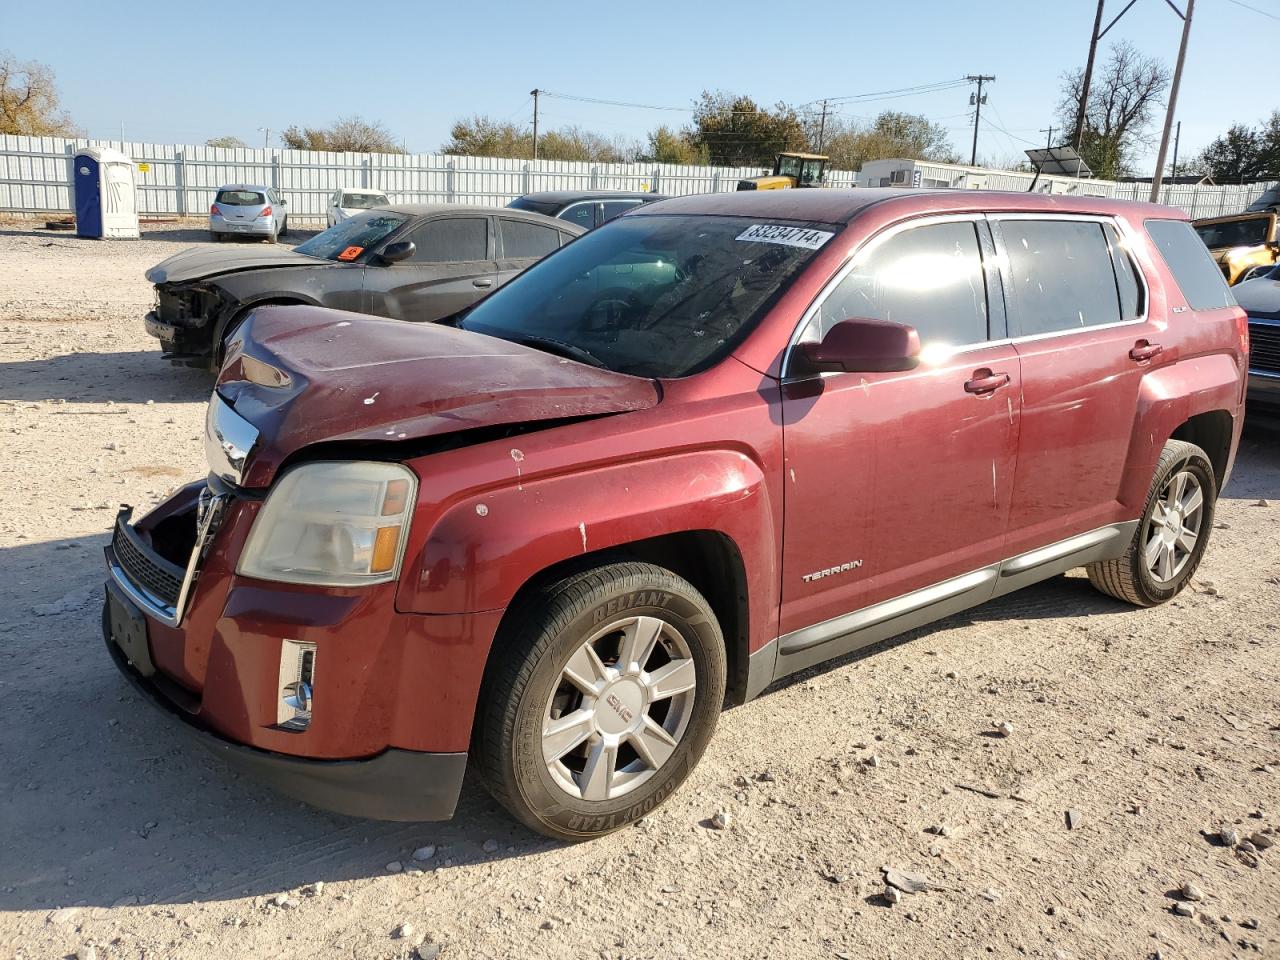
pixel 785 235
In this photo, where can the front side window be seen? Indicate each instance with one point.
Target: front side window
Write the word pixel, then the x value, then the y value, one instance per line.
pixel 521 239
pixel 1061 276
pixel 1190 263
pixel 581 214
pixel 451 240
pixel 654 296
pixel 928 277
pixel 352 237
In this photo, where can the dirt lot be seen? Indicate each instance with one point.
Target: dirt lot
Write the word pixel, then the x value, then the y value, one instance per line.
pixel 1155 728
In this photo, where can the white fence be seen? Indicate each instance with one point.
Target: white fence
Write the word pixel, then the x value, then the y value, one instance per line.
pixel 175 180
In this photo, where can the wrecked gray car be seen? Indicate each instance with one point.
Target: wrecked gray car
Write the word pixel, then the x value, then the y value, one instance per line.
pixel 417 262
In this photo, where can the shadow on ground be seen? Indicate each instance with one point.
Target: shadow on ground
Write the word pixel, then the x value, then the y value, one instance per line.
pixel 106 802
pixel 134 376
pixel 175 233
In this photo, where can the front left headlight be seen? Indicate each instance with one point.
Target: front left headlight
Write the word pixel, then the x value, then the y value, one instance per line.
pixel 333 524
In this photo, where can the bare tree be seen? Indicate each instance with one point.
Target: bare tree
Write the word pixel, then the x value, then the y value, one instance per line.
pixel 892 134
pixel 29 103
pixel 353 134
pixel 1122 103
pixel 227 141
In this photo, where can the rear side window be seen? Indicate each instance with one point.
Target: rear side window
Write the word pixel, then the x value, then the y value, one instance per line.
pixel 928 277
pixel 240 198
pixel 521 239
pixel 1190 263
pixel 614 208
pixel 452 240
pixel 1062 276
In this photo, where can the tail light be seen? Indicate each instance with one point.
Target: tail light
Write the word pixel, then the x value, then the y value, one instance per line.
pixel 214 211
pixel 266 212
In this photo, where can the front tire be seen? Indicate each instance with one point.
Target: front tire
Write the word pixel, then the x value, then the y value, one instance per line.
pixel 602 693
pixel 1172 534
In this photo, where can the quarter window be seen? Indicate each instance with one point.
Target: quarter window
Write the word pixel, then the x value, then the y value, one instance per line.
pixel 451 240
pixel 1062 276
pixel 522 240
pixel 1190 263
pixel 927 277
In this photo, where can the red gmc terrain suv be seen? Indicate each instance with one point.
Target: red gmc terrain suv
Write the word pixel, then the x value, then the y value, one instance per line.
pixel 718 440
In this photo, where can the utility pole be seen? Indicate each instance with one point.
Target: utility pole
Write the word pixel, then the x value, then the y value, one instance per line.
pixel 1048 140
pixel 1173 98
pixel 266 136
pixel 534 93
pixel 1177 136
pixel 822 127
pixel 1087 79
pixel 977 100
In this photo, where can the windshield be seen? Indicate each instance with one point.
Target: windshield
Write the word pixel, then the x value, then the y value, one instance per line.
pixel 654 296
pixel 350 238
pixel 1235 233
pixel 535 206
pixel 364 201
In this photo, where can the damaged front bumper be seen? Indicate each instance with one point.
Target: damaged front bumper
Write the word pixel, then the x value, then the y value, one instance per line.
pixel 183 320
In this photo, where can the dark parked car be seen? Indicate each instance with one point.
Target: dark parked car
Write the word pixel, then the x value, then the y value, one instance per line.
pixel 1260 299
pixel 586 208
pixel 717 441
pixel 407 262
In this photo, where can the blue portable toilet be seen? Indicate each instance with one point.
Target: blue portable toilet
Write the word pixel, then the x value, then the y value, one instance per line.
pixel 106 196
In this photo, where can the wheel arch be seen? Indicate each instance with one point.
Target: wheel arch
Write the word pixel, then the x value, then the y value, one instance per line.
pixel 709 559
pixel 1212 432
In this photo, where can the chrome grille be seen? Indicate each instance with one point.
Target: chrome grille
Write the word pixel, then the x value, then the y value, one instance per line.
pixel 152 573
pixel 1264 347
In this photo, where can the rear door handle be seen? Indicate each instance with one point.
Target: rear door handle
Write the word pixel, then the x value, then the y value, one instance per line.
pixel 482 283
pixel 984 381
pixel 1145 350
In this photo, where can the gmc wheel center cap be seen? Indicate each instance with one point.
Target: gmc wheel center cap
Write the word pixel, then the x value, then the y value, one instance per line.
pixel 621 707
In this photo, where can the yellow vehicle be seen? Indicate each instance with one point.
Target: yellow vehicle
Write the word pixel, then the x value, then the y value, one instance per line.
pixel 1241 243
pixel 790 170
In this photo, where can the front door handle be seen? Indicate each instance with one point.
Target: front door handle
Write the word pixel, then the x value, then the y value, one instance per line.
pixel 482 282
pixel 984 381
pixel 1145 350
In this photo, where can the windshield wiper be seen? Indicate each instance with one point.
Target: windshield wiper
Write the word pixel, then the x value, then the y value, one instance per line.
pixel 570 350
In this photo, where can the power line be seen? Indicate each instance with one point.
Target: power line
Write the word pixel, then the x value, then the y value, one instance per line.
pixel 1240 3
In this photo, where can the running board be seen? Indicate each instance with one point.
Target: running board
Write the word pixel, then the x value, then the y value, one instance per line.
pixel 861 628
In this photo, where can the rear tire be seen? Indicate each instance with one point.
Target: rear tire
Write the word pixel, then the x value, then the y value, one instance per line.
pixel 1172 533
pixel 601 694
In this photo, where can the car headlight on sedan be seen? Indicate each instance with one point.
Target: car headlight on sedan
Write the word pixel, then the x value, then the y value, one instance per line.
pixel 333 524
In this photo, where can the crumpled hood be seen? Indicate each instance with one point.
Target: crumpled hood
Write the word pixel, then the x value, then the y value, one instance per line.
pixel 199 263
pixel 361 379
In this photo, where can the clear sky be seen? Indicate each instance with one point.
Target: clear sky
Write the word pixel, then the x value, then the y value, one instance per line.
pixel 185 72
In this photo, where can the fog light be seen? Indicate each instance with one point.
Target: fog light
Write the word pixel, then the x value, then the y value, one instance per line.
pixel 297 678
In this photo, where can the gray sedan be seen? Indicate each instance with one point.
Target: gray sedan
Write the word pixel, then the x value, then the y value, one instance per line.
pixel 248 210
pixel 418 262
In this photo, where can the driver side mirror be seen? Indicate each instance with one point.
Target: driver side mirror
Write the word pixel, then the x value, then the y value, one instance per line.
pixel 400 250
pixel 865 346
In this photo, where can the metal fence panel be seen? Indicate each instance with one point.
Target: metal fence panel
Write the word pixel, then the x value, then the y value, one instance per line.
pixel 177 180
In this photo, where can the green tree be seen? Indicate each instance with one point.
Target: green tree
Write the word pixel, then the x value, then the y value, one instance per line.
pixel 1243 153
pixel 674 146
pixel 892 134
pixel 353 134
pixel 734 131
pixel 29 102
pixel 1123 98
pixel 481 136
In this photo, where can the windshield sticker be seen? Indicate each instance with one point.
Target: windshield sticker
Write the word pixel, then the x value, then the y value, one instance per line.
pixel 350 253
pixel 787 236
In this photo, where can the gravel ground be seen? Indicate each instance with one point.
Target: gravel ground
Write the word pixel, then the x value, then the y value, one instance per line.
pixel 1136 737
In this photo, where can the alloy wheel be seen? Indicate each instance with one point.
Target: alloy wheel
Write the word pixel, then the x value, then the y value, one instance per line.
pixel 620 709
pixel 1174 530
